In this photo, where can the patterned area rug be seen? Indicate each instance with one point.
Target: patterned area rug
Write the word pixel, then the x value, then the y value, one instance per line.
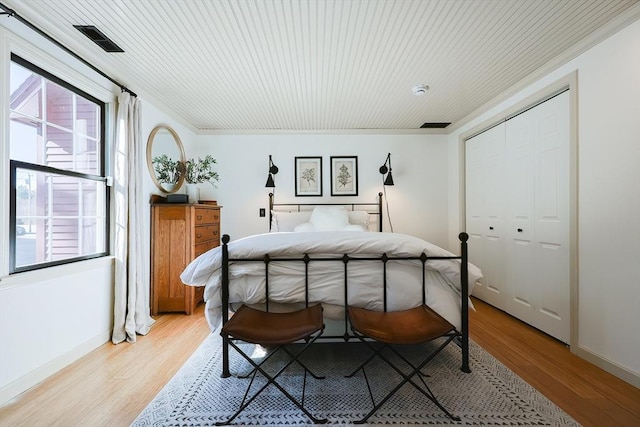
pixel 491 395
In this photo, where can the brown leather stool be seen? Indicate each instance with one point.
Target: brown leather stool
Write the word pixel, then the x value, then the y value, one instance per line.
pixel 414 326
pixel 275 330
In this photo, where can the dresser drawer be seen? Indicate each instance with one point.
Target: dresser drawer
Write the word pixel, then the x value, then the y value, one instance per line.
pixel 207 216
pixel 204 247
pixel 205 233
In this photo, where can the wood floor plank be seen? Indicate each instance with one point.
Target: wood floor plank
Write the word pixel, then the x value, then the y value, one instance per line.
pixel 589 394
pixel 112 385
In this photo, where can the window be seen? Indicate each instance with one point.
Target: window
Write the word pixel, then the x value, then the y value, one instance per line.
pixel 59 200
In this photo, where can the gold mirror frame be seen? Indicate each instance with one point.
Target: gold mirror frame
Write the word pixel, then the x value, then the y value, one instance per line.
pixel 165 188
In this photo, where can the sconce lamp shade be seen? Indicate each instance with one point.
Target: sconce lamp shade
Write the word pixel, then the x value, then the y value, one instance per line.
pixel 273 169
pixel 270 182
pixel 384 169
pixel 389 179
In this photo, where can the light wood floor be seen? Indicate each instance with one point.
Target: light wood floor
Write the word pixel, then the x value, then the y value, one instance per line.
pixel 113 384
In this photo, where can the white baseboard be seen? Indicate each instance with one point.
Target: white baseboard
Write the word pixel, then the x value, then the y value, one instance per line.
pixel 24 383
pixel 613 368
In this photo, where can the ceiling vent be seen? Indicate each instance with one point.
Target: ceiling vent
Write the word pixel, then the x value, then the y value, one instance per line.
pixel 98 38
pixel 432 125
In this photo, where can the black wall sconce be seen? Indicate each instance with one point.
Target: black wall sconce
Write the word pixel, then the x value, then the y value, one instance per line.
pixel 273 169
pixel 384 169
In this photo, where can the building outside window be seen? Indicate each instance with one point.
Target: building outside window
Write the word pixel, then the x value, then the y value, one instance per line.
pixel 59 199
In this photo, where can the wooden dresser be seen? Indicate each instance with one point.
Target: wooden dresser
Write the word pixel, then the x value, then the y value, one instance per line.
pixel 179 233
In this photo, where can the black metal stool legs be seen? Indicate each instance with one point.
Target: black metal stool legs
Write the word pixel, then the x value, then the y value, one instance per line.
pixel 406 378
pixel 271 379
pixel 285 349
pixel 305 367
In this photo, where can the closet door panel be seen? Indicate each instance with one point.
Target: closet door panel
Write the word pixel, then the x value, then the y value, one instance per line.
pixel 485 211
pixel 493 181
pixel 521 279
pixel 552 217
pixel 520 247
pixel 550 203
pixel 551 280
pixel 474 212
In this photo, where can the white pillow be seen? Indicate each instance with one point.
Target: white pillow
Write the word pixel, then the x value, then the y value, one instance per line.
pixel 360 218
pixel 329 218
pixel 305 226
pixel 287 221
pixel 353 227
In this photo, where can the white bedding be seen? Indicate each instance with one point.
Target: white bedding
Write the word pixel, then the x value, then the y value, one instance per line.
pixel 326 279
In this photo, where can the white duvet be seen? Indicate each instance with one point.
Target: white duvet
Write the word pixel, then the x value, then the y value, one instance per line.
pixel 326 279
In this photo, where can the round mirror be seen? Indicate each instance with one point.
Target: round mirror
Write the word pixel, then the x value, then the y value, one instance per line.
pixel 165 158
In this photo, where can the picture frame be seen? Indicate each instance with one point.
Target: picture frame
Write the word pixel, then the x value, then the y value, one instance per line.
pixel 344 175
pixel 308 176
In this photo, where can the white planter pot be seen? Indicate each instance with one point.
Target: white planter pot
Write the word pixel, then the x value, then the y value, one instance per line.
pixel 193 191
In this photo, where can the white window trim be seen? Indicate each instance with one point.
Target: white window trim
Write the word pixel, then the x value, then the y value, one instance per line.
pixel 66 67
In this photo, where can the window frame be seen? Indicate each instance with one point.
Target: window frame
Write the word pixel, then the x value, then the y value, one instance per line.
pixel 102 177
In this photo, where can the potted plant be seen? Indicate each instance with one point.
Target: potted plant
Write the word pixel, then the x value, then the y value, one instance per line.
pixel 167 170
pixel 197 172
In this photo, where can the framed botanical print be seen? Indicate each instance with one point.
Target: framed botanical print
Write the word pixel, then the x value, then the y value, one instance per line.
pixel 308 176
pixel 344 176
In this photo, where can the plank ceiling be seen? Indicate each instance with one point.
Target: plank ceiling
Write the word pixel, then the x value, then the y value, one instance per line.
pixel 326 65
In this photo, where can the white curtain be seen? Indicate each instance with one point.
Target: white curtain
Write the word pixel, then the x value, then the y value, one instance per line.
pixel 131 306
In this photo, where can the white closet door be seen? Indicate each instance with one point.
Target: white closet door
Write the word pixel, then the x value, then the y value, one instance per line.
pixel 485 159
pixel 537 238
pixel 521 271
pixel 552 217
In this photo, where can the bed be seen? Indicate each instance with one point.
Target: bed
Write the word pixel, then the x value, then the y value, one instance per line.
pixel 327 253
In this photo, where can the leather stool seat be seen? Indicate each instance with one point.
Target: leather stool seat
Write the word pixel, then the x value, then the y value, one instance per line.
pixel 413 326
pixel 267 328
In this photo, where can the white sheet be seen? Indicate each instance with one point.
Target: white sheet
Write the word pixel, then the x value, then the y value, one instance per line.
pixel 326 279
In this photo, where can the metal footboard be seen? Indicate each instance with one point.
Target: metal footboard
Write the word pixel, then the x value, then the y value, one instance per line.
pixel 346 259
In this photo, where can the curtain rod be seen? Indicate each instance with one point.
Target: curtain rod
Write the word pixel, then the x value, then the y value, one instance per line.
pixel 12 14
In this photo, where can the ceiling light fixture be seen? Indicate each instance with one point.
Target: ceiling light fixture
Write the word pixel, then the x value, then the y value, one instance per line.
pixel 419 90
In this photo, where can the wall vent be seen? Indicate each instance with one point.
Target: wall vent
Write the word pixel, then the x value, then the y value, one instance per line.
pixel 433 125
pixel 98 38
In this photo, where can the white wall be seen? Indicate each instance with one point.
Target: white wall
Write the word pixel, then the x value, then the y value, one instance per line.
pixel 608 197
pixel 417 201
pixel 48 318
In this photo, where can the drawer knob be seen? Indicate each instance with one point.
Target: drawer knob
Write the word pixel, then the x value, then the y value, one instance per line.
pixel 198 235
pixel 490 228
pixel 199 217
pixel 519 230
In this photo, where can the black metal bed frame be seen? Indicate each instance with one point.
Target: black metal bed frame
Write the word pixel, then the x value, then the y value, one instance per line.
pixel 462 335
pixel 298 207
